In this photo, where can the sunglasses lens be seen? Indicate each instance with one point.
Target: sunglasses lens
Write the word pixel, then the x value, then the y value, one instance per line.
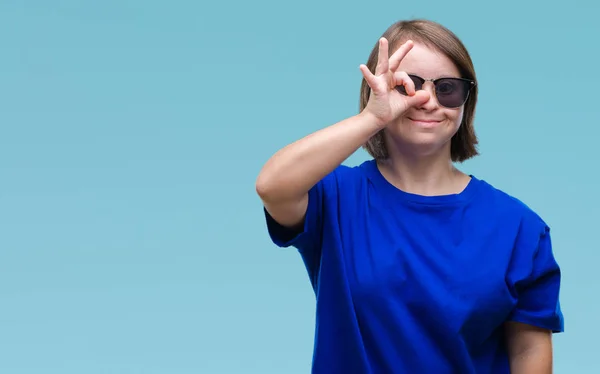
pixel 452 93
pixel 418 85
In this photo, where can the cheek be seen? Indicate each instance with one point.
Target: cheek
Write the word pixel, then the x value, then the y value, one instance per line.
pixel 456 116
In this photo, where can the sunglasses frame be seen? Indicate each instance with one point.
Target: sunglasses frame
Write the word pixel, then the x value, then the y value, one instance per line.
pixel 471 83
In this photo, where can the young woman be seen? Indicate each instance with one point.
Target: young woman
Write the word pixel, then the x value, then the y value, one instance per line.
pixel 417 267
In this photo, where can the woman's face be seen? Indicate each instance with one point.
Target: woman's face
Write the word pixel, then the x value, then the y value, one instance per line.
pixel 428 128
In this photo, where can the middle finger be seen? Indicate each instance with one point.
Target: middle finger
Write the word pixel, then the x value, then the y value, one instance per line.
pixel 397 56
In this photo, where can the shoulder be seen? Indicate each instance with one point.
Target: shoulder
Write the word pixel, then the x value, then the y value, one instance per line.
pixel 511 208
pixel 357 171
pixel 343 188
pixel 345 177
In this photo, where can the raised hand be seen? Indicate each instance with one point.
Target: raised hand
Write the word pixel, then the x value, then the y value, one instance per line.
pixel 385 102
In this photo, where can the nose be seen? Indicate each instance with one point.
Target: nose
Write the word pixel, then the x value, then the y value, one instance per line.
pixel 432 103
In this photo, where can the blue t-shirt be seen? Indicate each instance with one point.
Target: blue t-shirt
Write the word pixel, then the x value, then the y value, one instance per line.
pixel 406 283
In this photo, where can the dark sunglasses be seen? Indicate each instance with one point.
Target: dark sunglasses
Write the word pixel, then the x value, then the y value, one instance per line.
pixel 450 92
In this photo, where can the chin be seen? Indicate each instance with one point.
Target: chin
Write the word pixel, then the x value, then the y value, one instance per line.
pixel 421 141
pixel 425 143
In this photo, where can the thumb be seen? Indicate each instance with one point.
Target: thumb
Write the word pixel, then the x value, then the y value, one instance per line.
pixel 419 98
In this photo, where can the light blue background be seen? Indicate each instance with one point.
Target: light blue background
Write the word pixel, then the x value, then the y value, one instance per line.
pixel 131 237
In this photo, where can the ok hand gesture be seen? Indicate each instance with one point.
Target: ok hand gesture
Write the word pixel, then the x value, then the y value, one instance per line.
pixel 385 102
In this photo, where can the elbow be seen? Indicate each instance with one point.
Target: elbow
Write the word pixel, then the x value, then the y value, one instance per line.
pixel 264 187
pixel 273 190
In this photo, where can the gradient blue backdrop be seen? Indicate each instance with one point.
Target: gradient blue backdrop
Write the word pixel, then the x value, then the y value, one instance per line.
pixel 131 238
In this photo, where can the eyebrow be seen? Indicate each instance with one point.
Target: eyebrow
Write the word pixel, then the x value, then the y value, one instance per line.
pixel 437 77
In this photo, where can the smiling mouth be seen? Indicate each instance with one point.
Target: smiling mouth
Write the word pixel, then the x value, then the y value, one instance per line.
pixel 425 123
pixel 424 120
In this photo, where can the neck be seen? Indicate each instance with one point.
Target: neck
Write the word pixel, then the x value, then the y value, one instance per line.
pixel 430 175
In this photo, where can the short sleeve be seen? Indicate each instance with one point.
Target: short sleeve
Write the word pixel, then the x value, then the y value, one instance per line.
pixel 538 287
pixel 308 238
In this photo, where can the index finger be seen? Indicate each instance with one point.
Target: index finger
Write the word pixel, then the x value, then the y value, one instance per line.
pixel 397 56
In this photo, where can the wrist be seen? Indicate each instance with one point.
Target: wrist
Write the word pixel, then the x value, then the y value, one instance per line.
pixel 371 120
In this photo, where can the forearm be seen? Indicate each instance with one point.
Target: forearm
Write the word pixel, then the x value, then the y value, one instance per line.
pixel 292 171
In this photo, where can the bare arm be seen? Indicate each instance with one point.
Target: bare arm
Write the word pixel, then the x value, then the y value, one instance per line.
pixel 286 178
pixel 529 349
